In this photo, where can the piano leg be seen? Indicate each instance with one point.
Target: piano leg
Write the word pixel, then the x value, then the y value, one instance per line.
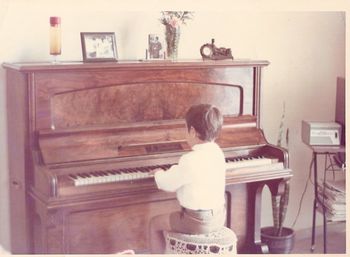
pixel 259 246
pixel 244 205
pixel 243 202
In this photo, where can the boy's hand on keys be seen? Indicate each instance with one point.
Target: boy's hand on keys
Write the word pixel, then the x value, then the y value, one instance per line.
pixel 152 172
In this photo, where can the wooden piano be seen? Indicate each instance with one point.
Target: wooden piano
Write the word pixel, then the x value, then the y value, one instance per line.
pixel 82 138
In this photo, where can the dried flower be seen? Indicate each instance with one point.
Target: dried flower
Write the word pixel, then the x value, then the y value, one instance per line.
pixel 175 18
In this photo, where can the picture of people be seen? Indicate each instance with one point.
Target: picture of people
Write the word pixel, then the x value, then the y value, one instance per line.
pixel 155 47
pixel 98 46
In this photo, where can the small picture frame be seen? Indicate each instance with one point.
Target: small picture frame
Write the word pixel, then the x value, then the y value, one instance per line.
pixel 156 47
pixel 98 46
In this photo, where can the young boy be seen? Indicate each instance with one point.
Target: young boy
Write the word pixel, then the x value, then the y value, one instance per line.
pixel 198 180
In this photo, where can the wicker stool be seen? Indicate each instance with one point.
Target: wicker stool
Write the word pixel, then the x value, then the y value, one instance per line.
pixel 218 242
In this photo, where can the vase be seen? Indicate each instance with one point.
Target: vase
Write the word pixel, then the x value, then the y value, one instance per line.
pixel 172 37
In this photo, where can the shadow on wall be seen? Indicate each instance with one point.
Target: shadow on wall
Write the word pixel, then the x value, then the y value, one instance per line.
pixel 3 251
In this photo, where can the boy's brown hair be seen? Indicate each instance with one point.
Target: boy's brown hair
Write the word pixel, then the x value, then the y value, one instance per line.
pixel 206 120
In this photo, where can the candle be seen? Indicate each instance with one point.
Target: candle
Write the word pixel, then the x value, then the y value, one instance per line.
pixel 55 35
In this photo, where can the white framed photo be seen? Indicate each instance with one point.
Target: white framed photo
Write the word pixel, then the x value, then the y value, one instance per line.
pixel 98 46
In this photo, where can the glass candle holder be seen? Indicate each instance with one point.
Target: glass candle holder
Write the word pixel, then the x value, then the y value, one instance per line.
pixel 55 37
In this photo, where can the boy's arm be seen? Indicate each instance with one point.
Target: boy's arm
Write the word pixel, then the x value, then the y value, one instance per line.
pixel 172 179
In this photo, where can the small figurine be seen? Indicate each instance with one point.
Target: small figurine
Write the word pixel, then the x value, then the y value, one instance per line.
pixel 211 52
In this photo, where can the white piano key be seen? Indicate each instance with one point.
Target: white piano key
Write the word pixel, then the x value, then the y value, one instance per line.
pixel 248 163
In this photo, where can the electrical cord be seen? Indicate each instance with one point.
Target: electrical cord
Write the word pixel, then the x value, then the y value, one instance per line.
pixel 312 182
pixel 303 194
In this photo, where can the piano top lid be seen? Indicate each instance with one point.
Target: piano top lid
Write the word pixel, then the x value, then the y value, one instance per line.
pixel 76 94
pixel 132 64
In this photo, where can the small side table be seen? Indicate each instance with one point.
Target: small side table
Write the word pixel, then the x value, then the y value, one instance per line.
pixel 327 151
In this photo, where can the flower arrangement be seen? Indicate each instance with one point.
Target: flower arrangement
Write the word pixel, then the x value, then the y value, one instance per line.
pixel 172 21
pixel 175 18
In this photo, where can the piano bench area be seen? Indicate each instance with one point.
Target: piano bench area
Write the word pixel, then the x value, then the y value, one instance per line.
pixel 223 241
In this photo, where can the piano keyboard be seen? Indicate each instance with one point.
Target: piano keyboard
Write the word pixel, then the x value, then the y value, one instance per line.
pixel 237 163
pixel 108 176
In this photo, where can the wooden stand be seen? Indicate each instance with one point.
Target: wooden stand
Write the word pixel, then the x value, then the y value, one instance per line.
pixel 328 152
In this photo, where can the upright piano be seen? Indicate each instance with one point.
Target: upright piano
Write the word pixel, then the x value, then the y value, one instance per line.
pixel 82 138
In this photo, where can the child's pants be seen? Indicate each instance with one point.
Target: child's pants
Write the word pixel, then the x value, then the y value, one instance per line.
pixel 197 221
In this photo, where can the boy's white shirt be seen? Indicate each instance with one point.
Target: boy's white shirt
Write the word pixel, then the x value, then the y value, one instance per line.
pixel 198 178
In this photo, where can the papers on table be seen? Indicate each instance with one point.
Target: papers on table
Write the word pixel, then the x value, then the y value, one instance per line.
pixel 333 196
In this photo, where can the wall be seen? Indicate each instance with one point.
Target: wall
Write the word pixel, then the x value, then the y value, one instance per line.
pixel 306 50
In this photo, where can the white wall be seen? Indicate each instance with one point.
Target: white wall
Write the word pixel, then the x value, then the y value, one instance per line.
pixel 306 51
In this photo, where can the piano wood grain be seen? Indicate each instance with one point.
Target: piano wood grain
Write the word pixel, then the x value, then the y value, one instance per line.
pixel 77 118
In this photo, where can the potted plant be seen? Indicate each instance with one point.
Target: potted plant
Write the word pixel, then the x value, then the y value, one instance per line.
pixel 278 238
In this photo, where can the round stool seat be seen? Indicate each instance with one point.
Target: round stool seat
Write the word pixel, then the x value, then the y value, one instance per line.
pixel 221 241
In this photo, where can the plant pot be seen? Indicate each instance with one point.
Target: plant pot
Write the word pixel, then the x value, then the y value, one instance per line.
pixel 278 244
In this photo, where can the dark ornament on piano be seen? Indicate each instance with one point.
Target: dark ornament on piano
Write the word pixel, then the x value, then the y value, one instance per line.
pixel 211 52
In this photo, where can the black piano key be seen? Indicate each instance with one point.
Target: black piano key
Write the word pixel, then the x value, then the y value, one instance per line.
pixel 95 173
pixel 73 176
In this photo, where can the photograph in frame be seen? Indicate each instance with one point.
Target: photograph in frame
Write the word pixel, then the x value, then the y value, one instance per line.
pixel 98 46
pixel 156 47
